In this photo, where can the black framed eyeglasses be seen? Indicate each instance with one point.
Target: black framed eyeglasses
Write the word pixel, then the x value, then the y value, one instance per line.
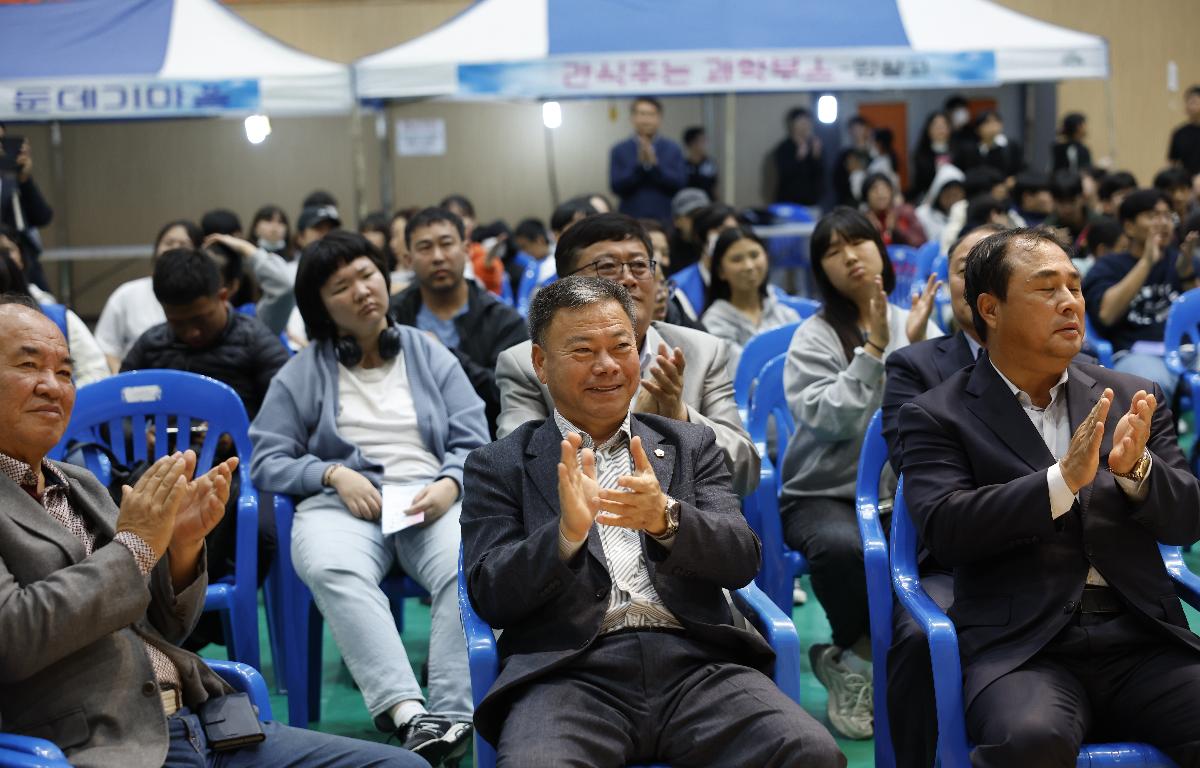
pixel 611 269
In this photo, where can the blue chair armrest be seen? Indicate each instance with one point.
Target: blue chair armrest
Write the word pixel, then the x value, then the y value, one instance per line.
pixel 1187 584
pixel 16 750
pixel 245 679
pixel 947 669
pixel 780 632
pixel 482 655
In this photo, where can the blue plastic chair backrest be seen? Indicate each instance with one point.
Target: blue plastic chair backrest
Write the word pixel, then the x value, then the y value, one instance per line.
pixel 1094 342
pixel 770 400
pixel 691 284
pixel 167 402
pixel 1181 341
pixel 942 312
pixel 759 350
pixel 926 256
pixel 904 264
pixel 871 461
pixel 805 306
pixel 790 212
pixel 58 313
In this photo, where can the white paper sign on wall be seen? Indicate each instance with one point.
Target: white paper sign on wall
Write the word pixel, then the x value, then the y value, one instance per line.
pixel 425 137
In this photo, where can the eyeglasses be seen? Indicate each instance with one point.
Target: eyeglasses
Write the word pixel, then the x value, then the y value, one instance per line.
pixel 611 269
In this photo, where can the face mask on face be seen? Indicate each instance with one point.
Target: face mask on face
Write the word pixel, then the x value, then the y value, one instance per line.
pixel 272 246
pixel 960 117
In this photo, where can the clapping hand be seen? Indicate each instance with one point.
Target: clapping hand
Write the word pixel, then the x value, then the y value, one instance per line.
pixel 1132 433
pixel 639 502
pixel 203 505
pixel 1083 455
pixel 577 489
pixel 922 308
pixel 879 333
pixel 662 392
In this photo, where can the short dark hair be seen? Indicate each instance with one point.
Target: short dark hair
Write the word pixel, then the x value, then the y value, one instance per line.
pixel 1066 185
pixel 874 179
pixel 531 229
pixel 460 202
pixel 194 233
pixel 220 221
pixel 268 212
pixel 794 114
pixel 954 102
pixel 1193 90
pixel 719 287
pixel 1190 224
pixel 12 279
pixel 980 209
pixel 652 225
pixel 1071 123
pixel 574 292
pixel 1029 183
pixel 691 134
pixel 989 267
pixel 1140 201
pixel 1105 231
pixel 318 261
pixel 981 179
pixel 429 216
pixel 646 100
pixel 965 233
pixel 319 198
pixel 857 120
pixel 21 300
pixel 566 212
pixel 1172 178
pixel 709 217
pixel 603 227
pixel 840 311
pixel 1115 182
pixel 183 275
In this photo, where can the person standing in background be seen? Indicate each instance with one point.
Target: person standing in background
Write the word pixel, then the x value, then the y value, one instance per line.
pixel 647 169
pixel 799 171
pixel 701 169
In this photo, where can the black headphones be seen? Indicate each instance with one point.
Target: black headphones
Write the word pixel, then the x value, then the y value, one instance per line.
pixel 350 354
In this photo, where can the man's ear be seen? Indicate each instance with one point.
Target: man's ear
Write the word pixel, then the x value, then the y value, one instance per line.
pixel 223 295
pixel 538 356
pixel 989 308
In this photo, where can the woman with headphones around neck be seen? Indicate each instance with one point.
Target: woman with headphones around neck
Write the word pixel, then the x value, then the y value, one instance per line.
pixel 372 410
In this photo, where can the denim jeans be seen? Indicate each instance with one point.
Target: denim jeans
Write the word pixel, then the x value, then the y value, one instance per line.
pixel 1149 367
pixel 188 748
pixel 342 559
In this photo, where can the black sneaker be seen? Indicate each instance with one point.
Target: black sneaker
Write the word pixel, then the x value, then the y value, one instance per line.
pixel 435 738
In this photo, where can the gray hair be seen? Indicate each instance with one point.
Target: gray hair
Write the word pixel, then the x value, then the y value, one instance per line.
pixel 574 292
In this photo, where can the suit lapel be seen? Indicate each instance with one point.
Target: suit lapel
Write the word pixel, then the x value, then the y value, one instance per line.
pixel 956 355
pixel 1083 392
pixel 652 443
pixel 33 517
pixel 543 453
pixel 990 399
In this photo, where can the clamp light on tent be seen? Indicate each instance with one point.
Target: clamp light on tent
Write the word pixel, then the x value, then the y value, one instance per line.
pixel 551 114
pixel 258 128
pixel 827 108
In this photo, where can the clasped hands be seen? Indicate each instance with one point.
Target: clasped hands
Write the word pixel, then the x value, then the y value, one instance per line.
pixel 170 511
pixel 638 503
pixel 1082 460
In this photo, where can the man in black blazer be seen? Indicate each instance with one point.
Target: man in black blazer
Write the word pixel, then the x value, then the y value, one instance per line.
pixel 600 542
pixel 1046 485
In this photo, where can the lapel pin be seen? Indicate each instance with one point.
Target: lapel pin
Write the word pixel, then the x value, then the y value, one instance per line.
pixel 659 452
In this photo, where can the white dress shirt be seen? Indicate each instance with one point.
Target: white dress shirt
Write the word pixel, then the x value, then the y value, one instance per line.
pixel 1054 425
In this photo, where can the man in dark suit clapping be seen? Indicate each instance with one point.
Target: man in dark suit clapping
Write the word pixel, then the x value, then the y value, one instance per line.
pixel 1046 485
pixel 601 541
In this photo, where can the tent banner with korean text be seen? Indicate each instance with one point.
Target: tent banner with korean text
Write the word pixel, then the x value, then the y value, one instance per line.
pixel 126 99
pixel 724 71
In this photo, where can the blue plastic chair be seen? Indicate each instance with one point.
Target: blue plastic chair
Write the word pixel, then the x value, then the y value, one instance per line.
pixel 759 351
pixel 942 312
pixel 904 264
pixel 57 313
pixel 879 586
pixel 1095 343
pixel 953 748
pixel 805 306
pixel 29 752
pixel 1181 344
pixel 151 399
pixel 690 283
pixel 301 625
pixel 781 564
pixel 484 661
pixel 926 256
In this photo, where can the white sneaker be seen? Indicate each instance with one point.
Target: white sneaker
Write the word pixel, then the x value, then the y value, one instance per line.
pixel 850 708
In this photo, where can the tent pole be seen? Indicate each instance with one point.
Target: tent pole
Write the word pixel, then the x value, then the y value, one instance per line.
pixel 1112 120
pixel 358 155
pixel 729 171
pixel 61 218
pixel 551 166
pixel 387 189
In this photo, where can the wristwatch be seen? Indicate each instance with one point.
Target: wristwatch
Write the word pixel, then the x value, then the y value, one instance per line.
pixel 671 513
pixel 1138 473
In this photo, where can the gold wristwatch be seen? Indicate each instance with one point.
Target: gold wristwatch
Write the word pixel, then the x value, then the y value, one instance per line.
pixel 1138 473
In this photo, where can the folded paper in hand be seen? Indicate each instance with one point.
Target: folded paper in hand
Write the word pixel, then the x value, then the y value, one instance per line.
pixel 396 501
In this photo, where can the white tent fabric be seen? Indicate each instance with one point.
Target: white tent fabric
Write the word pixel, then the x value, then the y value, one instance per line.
pixel 513 48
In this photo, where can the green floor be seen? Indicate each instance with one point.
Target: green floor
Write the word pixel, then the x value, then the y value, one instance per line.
pixel 343 712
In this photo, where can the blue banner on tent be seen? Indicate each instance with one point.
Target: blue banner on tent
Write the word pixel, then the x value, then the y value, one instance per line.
pixel 687 72
pixel 83 100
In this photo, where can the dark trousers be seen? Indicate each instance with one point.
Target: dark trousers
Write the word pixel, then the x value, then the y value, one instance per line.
pixel 284 745
pixel 1097 681
pixel 911 710
pixel 825 531
pixel 644 697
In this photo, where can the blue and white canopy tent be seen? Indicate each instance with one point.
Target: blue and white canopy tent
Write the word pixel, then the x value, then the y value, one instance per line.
pixel 551 49
pixel 122 59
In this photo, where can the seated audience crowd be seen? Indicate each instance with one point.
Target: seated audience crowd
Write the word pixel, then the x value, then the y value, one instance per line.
pixel 550 410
